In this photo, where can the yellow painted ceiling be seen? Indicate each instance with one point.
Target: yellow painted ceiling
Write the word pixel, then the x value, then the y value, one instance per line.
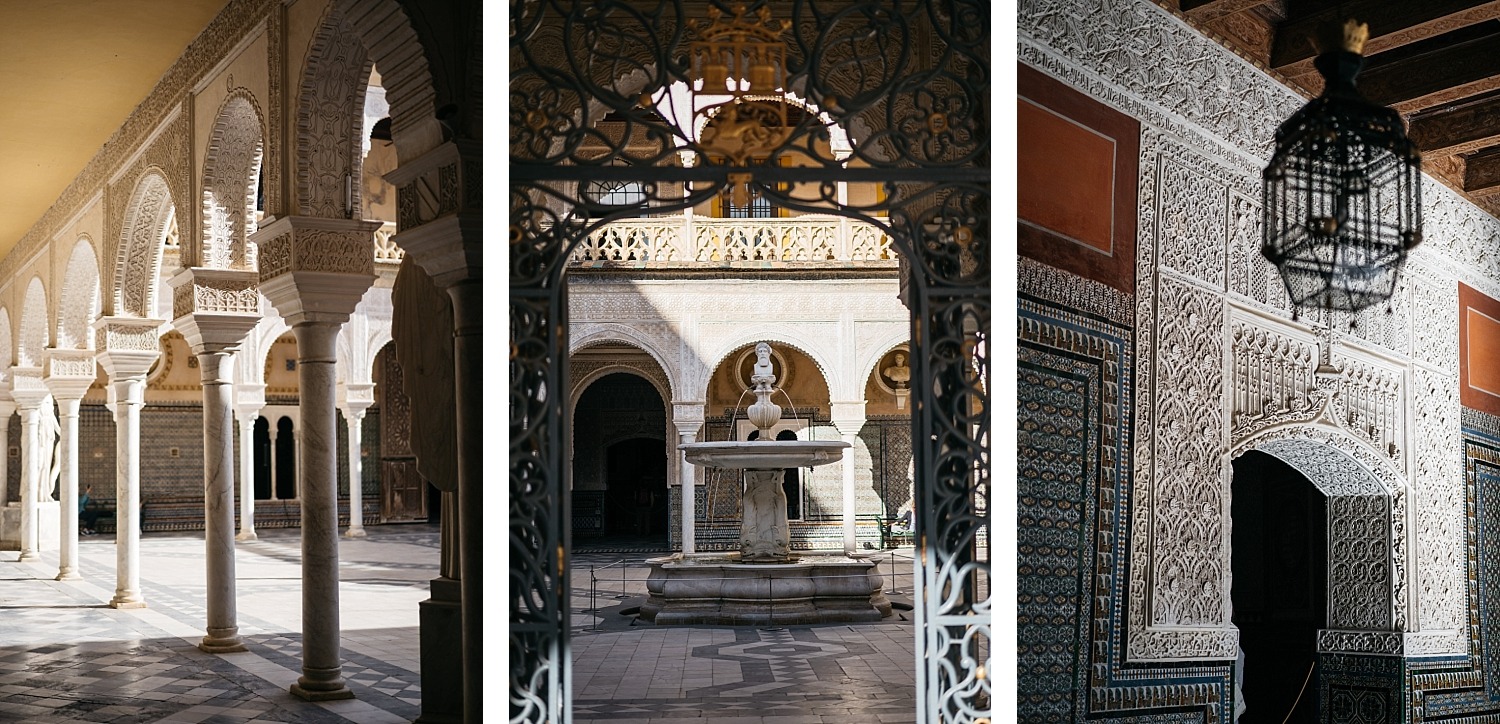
pixel 70 73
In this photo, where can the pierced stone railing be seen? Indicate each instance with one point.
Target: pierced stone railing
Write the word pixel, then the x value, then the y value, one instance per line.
pixel 386 249
pixel 696 240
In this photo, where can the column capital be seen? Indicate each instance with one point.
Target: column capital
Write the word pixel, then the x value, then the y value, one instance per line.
pixel 848 417
pixel 127 346
pixel 356 397
pixel 686 413
pixel 315 269
pixel 215 308
pixel 27 387
pixel 68 373
pixel 249 397
pixel 438 210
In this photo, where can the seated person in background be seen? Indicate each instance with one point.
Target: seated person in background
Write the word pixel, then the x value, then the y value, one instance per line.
pixel 86 517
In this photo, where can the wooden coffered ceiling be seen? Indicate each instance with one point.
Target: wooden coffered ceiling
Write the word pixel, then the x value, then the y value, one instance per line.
pixel 1435 61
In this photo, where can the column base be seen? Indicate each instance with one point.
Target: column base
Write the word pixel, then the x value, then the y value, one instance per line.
pixel 356 533
pixel 221 646
pixel 247 535
pixel 119 603
pixel 28 556
pixel 68 575
pixel 342 692
pixel 441 644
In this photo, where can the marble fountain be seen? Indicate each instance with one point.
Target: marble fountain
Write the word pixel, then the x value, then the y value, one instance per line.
pixel 764 583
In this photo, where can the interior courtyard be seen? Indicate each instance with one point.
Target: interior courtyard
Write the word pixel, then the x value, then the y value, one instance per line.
pixel 239 298
pixel 1252 489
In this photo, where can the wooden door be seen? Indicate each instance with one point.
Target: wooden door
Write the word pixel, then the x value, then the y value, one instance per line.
pixel 403 496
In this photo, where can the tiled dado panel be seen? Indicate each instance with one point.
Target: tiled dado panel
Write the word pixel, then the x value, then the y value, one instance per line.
pixel 171 451
pixel 1076 395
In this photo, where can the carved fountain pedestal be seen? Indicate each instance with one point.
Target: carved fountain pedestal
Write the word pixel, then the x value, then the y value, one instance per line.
pixel 763 584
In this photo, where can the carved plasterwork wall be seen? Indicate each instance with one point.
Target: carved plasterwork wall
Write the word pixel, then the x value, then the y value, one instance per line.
pixel 7 350
pixel 330 103
pixel 33 337
pixel 1210 310
pixel 80 302
pixel 841 325
pixel 139 258
pixel 229 187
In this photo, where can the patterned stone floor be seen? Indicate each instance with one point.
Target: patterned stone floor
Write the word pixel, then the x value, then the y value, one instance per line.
pixel 630 671
pixel 65 656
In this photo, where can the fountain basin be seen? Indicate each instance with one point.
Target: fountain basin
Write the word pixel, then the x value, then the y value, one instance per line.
pixel 764 454
pixel 718 589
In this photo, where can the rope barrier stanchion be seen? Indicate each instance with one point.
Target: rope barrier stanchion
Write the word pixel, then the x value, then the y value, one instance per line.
pixel 894 590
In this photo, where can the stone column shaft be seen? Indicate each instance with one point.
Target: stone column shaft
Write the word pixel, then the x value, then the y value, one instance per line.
pixel 67 561
pixel 689 499
pixel 851 541
pixel 247 477
pixel 129 398
pixel 352 419
pixel 29 483
pixel 322 675
pixel 218 501
pixel 468 380
pixel 271 434
pixel 6 410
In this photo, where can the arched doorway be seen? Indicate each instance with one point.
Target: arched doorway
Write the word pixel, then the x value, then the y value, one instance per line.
pixel 620 459
pixel 1279 558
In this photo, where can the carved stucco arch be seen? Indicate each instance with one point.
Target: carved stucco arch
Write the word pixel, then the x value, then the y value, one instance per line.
pixel 231 170
pixel 7 348
pixel 653 372
pixel 1367 549
pixel 881 347
pixel 389 39
pixel 80 302
pixel 137 266
pixel 595 334
pixel 831 377
pixel 330 118
pixel 32 341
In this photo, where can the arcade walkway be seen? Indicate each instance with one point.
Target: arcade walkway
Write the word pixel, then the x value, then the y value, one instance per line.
pixel 67 657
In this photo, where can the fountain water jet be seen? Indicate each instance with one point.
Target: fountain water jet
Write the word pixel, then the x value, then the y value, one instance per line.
pixel 763 583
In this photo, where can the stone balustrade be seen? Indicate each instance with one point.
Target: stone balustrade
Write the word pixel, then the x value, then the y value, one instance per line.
pixel 707 241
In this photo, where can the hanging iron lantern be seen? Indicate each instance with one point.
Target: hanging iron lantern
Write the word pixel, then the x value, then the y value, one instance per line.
pixel 1343 194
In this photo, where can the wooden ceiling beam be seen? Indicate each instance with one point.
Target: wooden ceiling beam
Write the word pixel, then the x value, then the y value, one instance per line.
pixel 1392 24
pixel 1214 9
pixel 1404 76
pixel 1482 172
pixel 1463 129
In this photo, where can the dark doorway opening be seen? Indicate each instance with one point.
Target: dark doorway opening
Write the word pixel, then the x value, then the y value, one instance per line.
pixel 261 444
pixel 286 460
pixel 635 498
pixel 1279 557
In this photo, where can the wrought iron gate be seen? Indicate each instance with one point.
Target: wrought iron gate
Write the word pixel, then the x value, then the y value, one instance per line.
pixel 678 107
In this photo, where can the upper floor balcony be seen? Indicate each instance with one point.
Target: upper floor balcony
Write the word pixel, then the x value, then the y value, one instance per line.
pixel 698 242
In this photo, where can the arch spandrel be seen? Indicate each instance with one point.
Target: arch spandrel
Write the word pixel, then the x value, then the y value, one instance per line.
pixel 818 353
pixel 595 334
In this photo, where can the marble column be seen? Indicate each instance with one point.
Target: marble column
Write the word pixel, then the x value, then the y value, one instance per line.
pixel 314 271
pixel 354 415
pixel 69 372
pixel 687 432
pixel 129 346
pixel 848 428
pixel 246 419
pixel 214 309
pixel 444 236
pixel 7 408
pixel 271 435
pixel 30 393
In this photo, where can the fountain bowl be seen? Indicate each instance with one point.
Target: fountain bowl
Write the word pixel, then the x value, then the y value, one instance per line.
pixel 719 589
pixel 764 454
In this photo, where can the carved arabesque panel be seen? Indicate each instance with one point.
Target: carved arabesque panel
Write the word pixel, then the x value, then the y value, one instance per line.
pixel 330 107
pixel 1190 215
pixel 229 185
pixel 1190 480
pixel 80 302
pixel 1273 371
pixel 32 340
pixel 1438 502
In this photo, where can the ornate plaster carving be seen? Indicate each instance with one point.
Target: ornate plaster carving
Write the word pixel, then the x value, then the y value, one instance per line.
pixel 32 340
pixel 330 103
pixel 80 302
pixel 229 177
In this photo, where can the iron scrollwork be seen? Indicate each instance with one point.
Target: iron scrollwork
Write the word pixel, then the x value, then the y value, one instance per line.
pixel 878 92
